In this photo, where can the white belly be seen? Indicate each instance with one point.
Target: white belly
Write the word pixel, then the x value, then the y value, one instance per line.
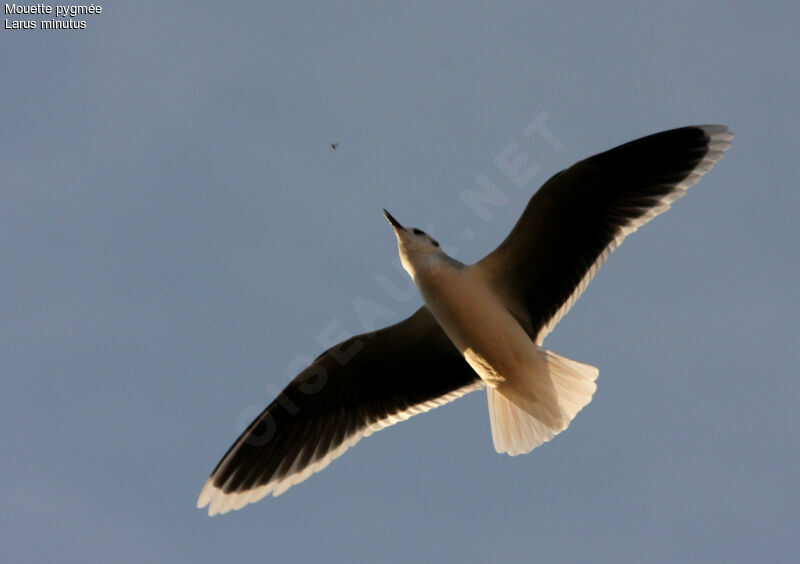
pixel 533 393
pixel 481 327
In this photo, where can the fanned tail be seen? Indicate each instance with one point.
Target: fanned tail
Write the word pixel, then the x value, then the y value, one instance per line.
pixel 533 409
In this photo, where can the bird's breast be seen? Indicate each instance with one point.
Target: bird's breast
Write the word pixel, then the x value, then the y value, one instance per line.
pixel 478 323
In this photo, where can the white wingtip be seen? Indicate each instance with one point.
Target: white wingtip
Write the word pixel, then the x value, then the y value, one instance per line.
pixel 205 494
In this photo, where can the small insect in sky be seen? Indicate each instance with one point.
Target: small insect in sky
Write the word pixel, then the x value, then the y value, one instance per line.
pixel 334 145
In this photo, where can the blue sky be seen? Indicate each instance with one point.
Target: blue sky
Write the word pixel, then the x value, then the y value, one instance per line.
pixel 176 235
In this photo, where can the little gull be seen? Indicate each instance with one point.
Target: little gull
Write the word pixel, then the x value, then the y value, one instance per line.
pixel 482 325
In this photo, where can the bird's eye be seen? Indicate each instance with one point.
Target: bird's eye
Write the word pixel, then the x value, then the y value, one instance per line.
pixel 416 231
pixel 435 244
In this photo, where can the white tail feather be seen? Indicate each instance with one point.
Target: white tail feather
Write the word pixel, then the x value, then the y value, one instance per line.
pixel 533 409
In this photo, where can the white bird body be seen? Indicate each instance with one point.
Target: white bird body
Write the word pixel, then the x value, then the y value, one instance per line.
pixel 533 393
pixel 475 319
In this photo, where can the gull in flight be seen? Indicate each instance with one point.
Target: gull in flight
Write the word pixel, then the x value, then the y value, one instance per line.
pixel 481 327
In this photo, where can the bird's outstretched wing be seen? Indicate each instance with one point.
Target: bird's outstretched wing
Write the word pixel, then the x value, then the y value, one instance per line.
pixel 579 216
pixel 353 389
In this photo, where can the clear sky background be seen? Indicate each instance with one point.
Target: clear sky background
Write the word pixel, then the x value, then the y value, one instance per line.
pixel 175 232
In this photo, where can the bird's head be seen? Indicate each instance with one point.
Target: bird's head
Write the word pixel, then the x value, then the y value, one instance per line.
pixel 414 245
